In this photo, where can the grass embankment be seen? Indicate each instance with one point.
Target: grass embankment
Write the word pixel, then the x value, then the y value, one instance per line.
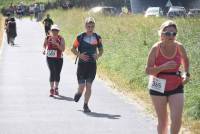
pixel 127 41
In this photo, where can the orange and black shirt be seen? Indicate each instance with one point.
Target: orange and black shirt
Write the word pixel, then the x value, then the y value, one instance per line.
pixel 89 44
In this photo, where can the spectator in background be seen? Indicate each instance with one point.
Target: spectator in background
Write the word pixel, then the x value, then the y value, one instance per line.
pixel 6 25
pixel 37 10
pixel 31 11
pixel 12 9
pixel 11 30
pixel 41 11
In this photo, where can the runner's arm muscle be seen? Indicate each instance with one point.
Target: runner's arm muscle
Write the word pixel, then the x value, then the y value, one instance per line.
pixel 184 57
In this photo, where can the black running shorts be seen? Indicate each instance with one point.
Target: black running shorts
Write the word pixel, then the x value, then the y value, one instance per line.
pixel 86 72
pixel 179 89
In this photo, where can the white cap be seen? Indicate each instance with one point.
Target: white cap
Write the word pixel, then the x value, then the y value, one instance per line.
pixel 55 27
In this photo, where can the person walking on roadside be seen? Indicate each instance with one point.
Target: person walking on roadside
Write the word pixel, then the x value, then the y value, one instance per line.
pixel 31 11
pixel 85 48
pixel 166 82
pixel 54 46
pixel 11 30
pixel 37 10
pixel 48 22
pixel 6 25
pixel 42 10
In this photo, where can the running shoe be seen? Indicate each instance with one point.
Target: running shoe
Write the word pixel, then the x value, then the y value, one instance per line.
pixel 56 91
pixel 77 96
pixel 86 108
pixel 51 93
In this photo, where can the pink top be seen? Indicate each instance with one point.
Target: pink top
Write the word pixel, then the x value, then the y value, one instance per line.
pixel 172 81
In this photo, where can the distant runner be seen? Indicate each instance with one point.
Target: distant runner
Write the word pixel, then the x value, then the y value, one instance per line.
pixel 54 45
pixel 85 47
pixel 48 22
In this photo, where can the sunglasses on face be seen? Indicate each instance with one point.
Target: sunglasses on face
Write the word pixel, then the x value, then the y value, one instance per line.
pixel 169 33
pixel 92 26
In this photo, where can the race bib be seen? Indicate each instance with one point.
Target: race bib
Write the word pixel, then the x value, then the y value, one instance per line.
pixel 52 53
pixel 156 84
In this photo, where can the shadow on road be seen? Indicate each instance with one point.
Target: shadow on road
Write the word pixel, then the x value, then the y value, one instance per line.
pixel 16 45
pixel 61 97
pixel 102 115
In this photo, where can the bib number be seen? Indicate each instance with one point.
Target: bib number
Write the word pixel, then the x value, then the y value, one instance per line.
pixel 52 53
pixel 156 84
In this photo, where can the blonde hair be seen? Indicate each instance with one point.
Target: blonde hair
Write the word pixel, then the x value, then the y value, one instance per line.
pixel 168 23
pixel 89 20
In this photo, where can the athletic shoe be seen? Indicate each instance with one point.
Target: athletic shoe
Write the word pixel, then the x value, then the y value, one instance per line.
pixel 51 93
pixel 77 96
pixel 56 91
pixel 86 108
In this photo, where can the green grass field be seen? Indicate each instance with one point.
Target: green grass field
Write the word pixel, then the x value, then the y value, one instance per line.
pixel 127 41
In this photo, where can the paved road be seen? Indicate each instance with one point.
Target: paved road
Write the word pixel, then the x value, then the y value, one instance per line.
pixel 26 108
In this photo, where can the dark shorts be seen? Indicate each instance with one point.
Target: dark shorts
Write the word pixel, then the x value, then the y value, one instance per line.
pixel 86 72
pixel 47 29
pixel 179 89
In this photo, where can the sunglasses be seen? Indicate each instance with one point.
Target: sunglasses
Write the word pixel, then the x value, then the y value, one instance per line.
pixel 92 26
pixel 169 33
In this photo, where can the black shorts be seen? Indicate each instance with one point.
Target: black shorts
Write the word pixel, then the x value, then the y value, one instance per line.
pixel 86 72
pixel 47 29
pixel 179 89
